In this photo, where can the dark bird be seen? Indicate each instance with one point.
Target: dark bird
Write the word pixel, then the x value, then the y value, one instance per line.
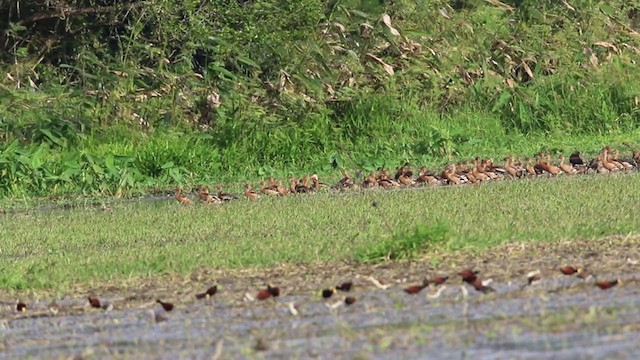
pixel 21 307
pixel 165 305
pixel 414 289
pixel 608 284
pixel 94 302
pixel 575 159
pixel 209 293
pixel 345 286
pixel 468 275
pixel 270 291
pixel 569 270
pixel 479 286
pixel 263 294
pixel 438 280
pixel 349 300
pixel 273 290
pixel 327 293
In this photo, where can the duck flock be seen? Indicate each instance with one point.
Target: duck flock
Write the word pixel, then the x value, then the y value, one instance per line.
pixel 467 172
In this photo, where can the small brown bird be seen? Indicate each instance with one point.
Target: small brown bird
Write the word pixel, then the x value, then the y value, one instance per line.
pixel 209 293
pixel 349 300
pixel 21 307
pixel 481 287
pixel 270 291
pixel 533 277
pixel 94 302
pixel 165 305
pixel 608 284
pixel 569 270
pixel 468 275
pixel 273 290
pixel 414 289
pixel 263 294
pixel 438 280
pixel 345 286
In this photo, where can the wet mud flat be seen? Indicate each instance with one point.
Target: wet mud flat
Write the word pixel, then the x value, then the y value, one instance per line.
pixel 560 316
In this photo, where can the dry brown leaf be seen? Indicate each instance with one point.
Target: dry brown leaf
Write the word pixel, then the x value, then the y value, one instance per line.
pixel 510 83
pixel 565 3
pixel 388 68
pixel 444 13
pixel 527 69
pixel 386 19
pixel 500 4
pixel 607 45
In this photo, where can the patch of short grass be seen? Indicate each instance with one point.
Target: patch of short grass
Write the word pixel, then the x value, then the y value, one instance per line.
pixel 59 248
pixel 405 244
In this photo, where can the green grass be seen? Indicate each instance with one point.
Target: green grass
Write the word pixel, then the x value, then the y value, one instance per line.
pixel 486 82
pixel 57 249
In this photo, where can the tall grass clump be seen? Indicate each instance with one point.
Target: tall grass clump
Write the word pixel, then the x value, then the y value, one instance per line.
pixel 124 96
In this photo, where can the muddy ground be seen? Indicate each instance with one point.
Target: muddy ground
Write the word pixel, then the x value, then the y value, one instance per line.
pixel 560 317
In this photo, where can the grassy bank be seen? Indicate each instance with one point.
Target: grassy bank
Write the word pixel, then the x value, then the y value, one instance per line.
pixel 55 249
pixel 146 97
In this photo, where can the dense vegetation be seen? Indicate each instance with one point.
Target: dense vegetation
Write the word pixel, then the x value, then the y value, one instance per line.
pixel 104 96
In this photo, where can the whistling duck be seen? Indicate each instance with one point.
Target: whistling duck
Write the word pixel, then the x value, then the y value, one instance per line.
pixel 405 180
pixel 249 193
pixel 181 198
pixel 450 175
pixel 387 183
pixel 346 181
pixel 605 160
pixel 371 180
pixel 549 167
pixel 510 168
pixel 625 164
pixel 531 171
pixel 317 185
pixel 293 184
pixel 425 178
pixel 268 191
pixel 209 293
pixel 223 196
pixel 303 185
pixel 477 172
pixel 207 198
pixel 272 183
pixel 281 189
pixel 566 168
